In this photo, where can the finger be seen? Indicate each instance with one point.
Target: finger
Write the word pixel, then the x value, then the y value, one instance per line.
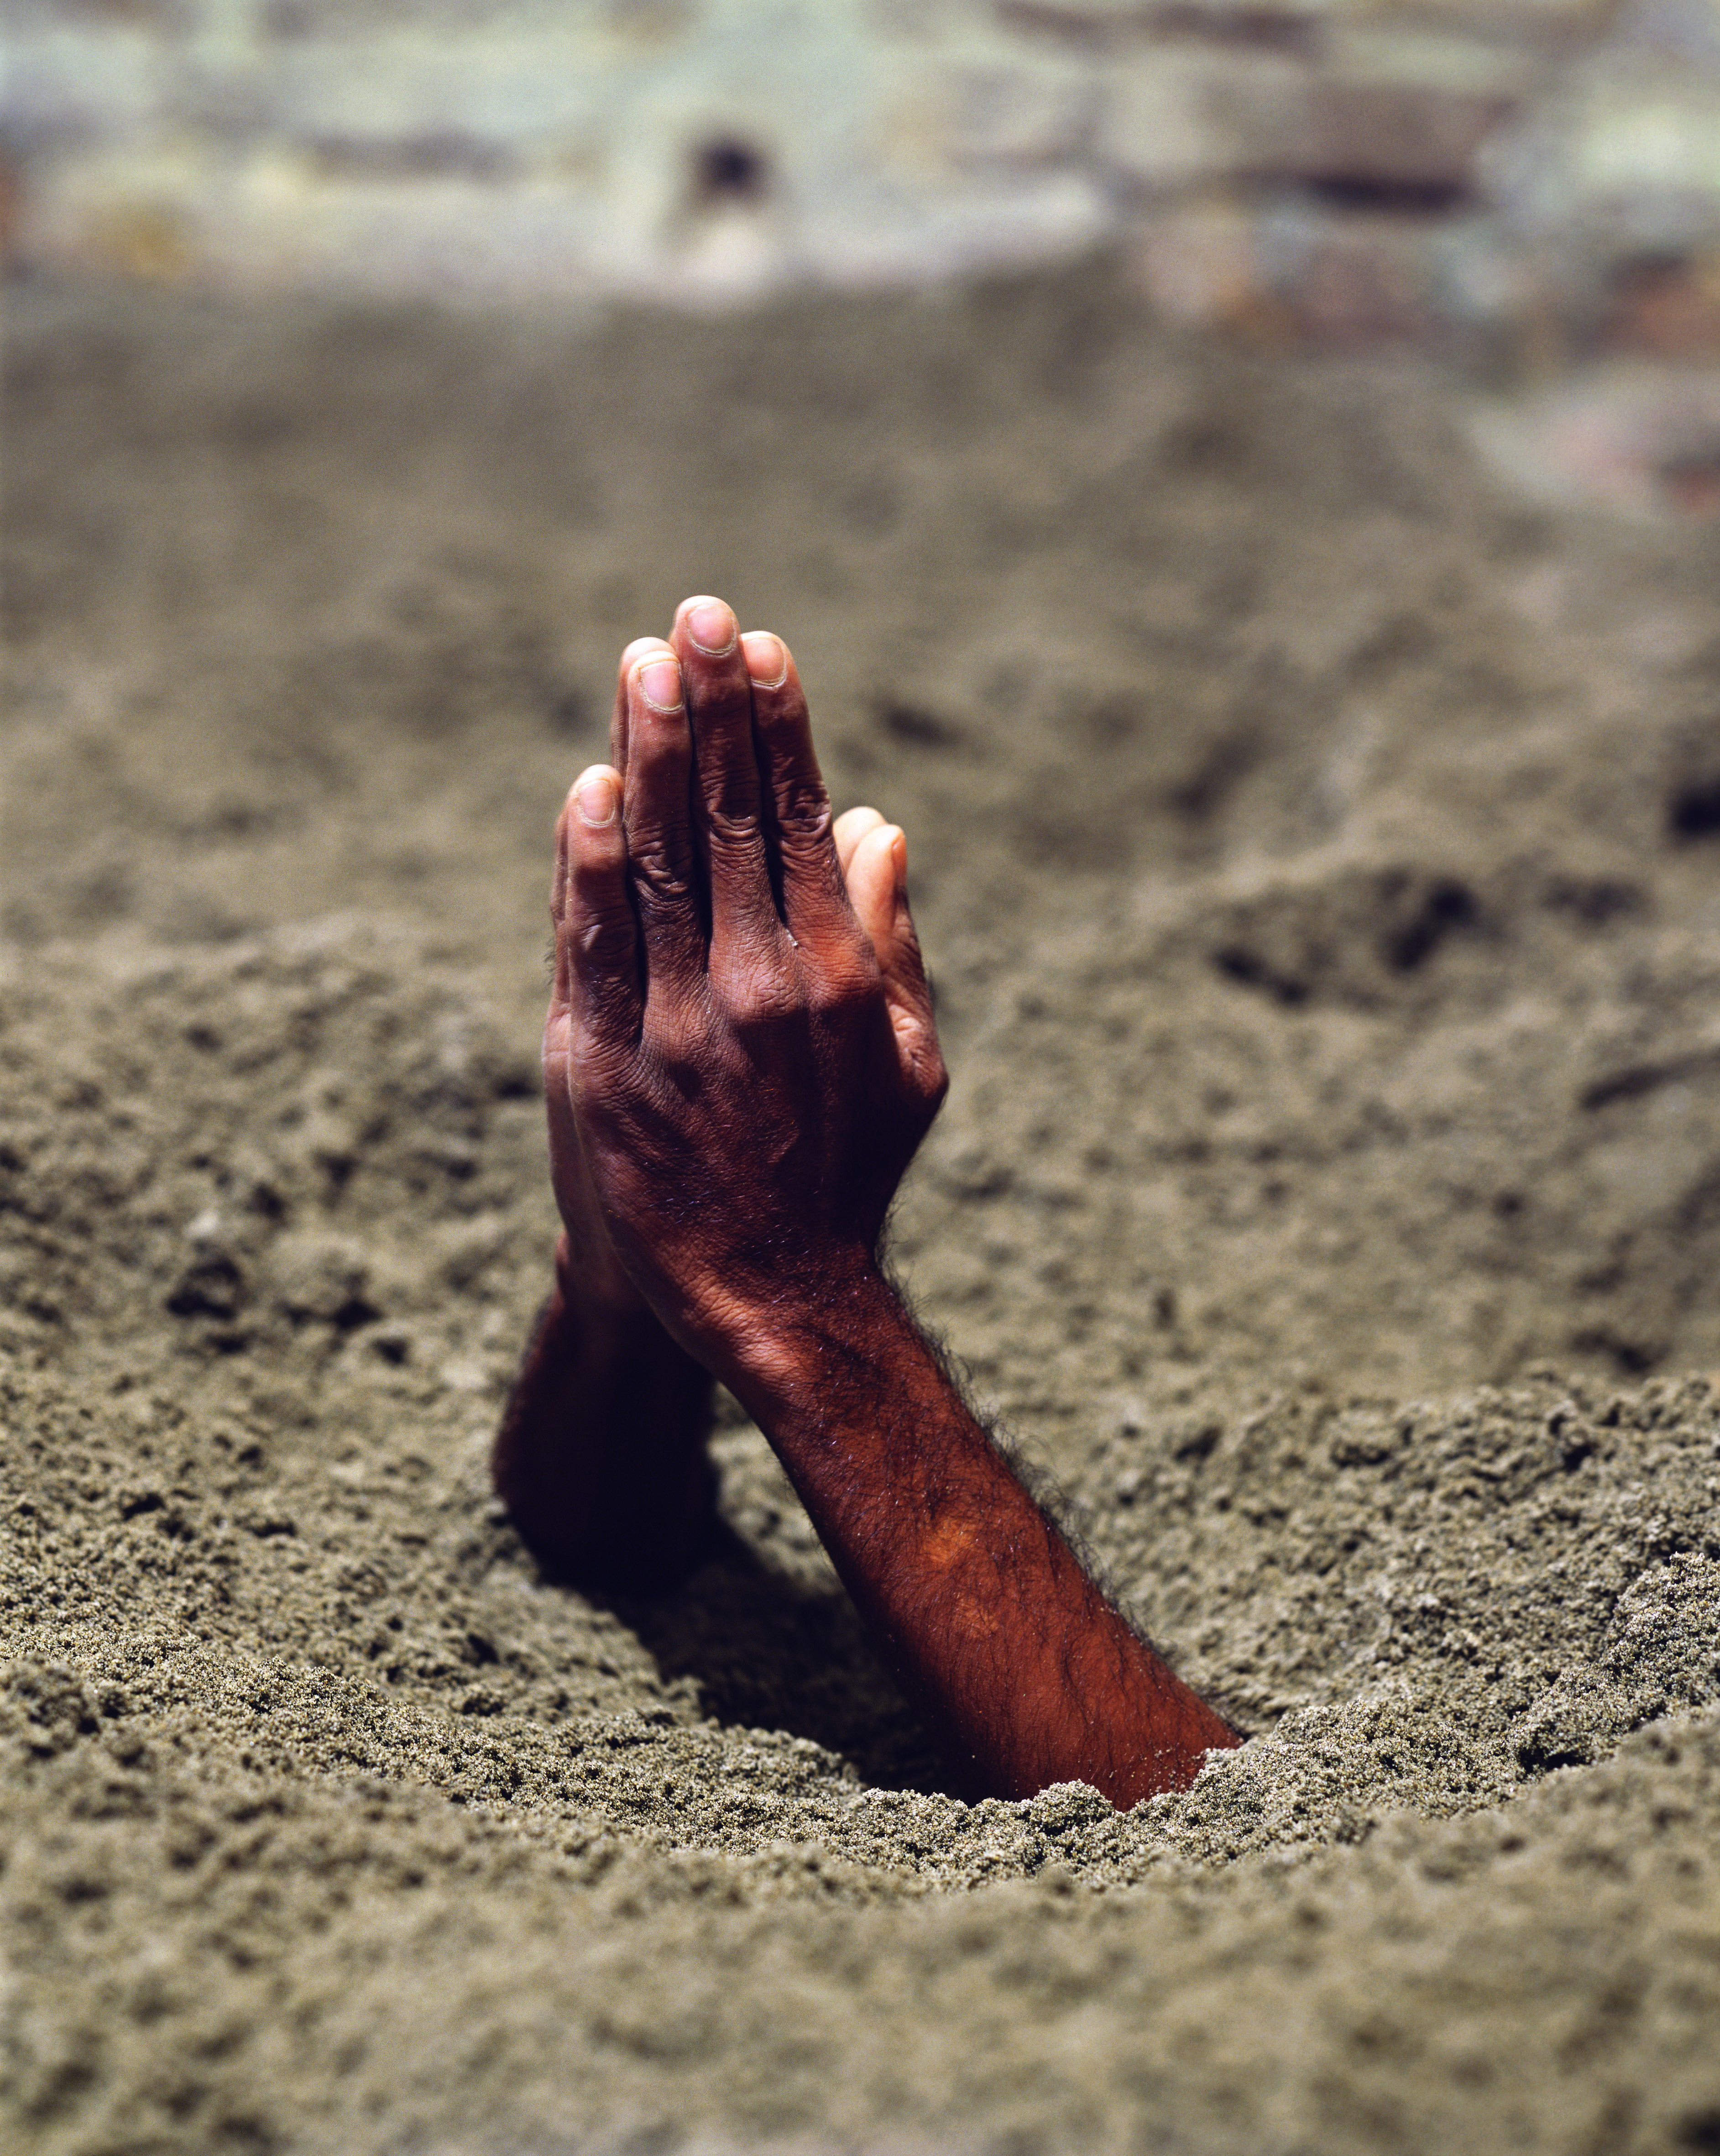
pixel 726 791
pixel 852 825
pixel 558 906
pixel 808 872
pixel 597 937
pixel 617 717
pixel 878 890
pixel 661 857
pixel 564 1136
pixel 871 886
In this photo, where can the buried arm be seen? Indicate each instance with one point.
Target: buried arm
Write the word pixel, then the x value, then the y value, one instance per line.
pixel 978 1600
pixel 601 1455
pixel 742 1061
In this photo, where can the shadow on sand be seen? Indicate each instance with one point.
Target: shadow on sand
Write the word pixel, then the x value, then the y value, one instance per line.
pixel 768 1652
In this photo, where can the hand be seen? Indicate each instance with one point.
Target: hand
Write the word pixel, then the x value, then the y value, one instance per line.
pixel 740 1058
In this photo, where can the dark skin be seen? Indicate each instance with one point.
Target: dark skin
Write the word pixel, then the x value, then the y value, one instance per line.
pixel 740 1062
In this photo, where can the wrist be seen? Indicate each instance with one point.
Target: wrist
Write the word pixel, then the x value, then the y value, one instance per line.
pixel 785 1351
pixel 588 1324
pixel 590 1283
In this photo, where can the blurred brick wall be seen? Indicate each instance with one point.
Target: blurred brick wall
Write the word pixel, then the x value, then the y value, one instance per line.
pixel 1343 170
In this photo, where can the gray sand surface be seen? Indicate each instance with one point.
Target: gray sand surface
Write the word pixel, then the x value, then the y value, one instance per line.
pixel 1318 853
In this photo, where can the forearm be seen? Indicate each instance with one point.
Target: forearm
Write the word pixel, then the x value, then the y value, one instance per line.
pixel 977 1599
pixel 600 1457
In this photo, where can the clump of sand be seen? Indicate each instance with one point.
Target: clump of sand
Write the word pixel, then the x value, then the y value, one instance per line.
pixel 1310 858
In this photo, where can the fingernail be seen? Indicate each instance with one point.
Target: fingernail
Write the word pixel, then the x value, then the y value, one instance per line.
pixel 711 626
pixel 766 659
pixel 659 684
pixel 596 797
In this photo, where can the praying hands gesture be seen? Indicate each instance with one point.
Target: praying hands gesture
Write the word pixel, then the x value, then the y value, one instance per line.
pixel 739 1061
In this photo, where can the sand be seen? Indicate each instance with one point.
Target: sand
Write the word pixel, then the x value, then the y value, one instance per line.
pixel 1318 853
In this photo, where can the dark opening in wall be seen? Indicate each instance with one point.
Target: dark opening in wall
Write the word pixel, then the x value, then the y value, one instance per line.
pixel 1391 198
pixel 726 169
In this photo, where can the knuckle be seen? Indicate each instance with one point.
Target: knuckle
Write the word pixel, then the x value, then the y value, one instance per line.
pixel 604 939
pixel 659 873
pixel 674 1069
pixel 679 1042
pixel 733 827
pixel 803 818
pixel 756 996
pixel 926 1076
pixel 840 988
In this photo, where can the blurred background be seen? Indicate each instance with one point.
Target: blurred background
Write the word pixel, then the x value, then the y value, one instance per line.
pixel 1524 182
pixel 1545 173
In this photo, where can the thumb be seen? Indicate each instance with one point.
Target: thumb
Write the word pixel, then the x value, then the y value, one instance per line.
pixel 878 891
pixel 597 955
